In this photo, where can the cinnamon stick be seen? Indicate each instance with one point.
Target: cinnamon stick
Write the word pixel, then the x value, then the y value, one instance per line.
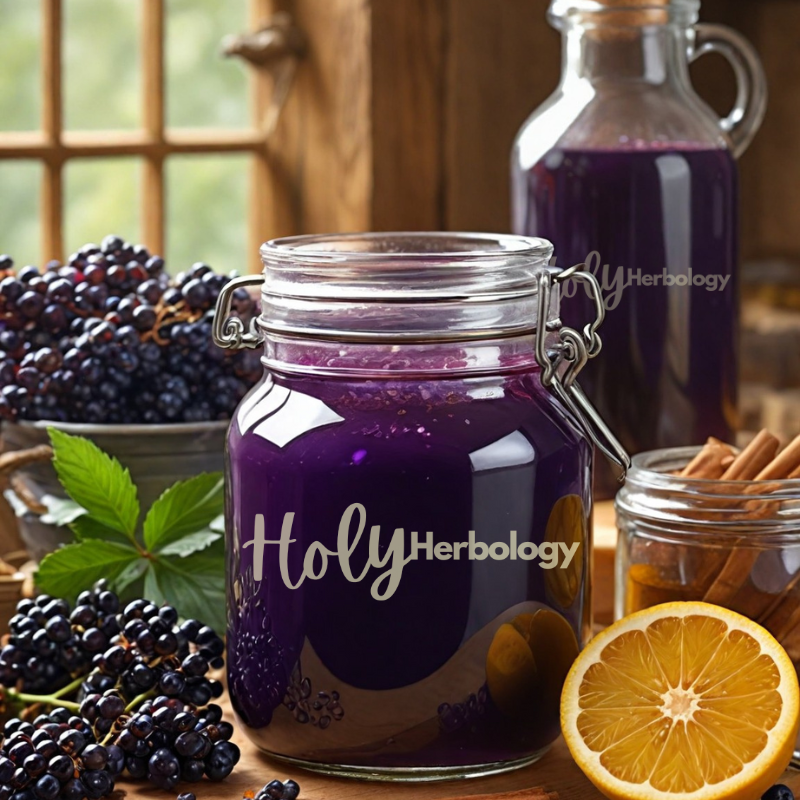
pixel 782 618
pixel 711 462
pixel 754 459
pixel 759 462
pixel 784 466
pixel 722 575
pixel 783 614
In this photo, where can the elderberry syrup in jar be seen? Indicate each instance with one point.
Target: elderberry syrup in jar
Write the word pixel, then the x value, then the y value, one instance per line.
pixel 409 493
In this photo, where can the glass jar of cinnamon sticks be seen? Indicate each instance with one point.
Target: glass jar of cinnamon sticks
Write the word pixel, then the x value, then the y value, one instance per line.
pixel 716 525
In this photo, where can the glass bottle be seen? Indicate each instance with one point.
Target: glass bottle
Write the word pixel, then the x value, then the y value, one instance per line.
pixel 407 397
pixel 627 169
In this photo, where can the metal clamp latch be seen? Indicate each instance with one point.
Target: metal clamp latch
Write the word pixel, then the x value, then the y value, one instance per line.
pixel 575 351
pixel 229 332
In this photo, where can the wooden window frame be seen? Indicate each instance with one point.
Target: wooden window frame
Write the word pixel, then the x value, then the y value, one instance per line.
pixel 153 143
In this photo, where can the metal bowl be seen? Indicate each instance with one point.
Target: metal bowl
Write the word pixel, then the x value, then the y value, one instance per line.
pixel 156 455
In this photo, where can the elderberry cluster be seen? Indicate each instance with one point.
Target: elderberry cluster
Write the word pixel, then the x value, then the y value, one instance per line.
pixel 144 687
pixel 137 649
pixel 279 790
pixel 108 337
pixel 49 642
pixel 56 757
pixel 166 740
pixel 154 653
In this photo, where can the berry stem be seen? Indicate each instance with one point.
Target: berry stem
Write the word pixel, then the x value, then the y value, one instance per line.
pixel 45 699
pixel 137 701
pixel 70 688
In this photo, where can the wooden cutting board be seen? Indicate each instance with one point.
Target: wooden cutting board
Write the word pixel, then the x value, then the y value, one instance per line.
pixel 556 771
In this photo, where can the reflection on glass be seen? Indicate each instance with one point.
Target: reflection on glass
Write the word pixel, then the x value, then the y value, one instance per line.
pixel 101 32
pixel 101 197
pixel 20 183
pixel 510 451
pixel 203 88
pixel 20 73
pixel 502 512
pixel 300 414
pixel 265 400
pixel 207 212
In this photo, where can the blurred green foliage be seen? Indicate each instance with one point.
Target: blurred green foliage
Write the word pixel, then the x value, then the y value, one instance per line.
pixel 206 196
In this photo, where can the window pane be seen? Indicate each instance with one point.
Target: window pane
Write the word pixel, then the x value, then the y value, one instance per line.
pixel 20 72
pixel 102 64
pixel 203 88
pixel 101 196
pixel 207 212
pixel 20 188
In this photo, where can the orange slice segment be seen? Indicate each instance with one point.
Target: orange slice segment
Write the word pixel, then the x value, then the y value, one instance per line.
pixel 682 700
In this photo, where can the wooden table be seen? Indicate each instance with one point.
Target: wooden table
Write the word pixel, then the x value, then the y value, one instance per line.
pixel 556 772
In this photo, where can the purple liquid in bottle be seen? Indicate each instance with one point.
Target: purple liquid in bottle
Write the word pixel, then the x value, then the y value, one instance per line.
pixel 325 673
pixel 650 210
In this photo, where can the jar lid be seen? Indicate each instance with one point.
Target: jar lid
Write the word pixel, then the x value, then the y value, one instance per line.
pixel 623 13
pixel 404 286
pixel 420 290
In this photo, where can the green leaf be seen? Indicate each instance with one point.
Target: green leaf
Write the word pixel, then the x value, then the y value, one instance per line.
pixel 195 585
pixel 152 591
pixel 75 567
pixel 96 481
pixel 60 510
pixel 190 544
pixel 132 574
pixel 87 527
pixel 218 524
pixel 187 507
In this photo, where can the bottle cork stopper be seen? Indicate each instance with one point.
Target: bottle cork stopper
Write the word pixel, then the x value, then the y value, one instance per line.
pixel 632 3
pixel 627 14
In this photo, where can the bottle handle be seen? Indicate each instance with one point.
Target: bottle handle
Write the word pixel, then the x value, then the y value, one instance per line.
pixel 742 124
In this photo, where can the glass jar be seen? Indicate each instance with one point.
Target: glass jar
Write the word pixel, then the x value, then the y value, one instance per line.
pixel 627 169
pixel 413 452
pixel 731 543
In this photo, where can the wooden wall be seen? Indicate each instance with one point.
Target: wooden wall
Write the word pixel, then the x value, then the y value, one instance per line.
pixel 405 112
pixel 771 170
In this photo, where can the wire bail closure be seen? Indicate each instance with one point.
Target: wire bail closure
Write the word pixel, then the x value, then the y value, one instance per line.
pixel 561 366
pixel 230 333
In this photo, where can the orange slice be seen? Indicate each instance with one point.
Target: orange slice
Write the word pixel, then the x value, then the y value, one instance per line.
pixel 682 700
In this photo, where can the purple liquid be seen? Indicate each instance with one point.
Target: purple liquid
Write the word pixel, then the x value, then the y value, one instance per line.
pixel 324 672
pixel 667 376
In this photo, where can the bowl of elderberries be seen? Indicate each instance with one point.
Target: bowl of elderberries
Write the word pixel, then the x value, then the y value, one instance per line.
pixel 109 345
